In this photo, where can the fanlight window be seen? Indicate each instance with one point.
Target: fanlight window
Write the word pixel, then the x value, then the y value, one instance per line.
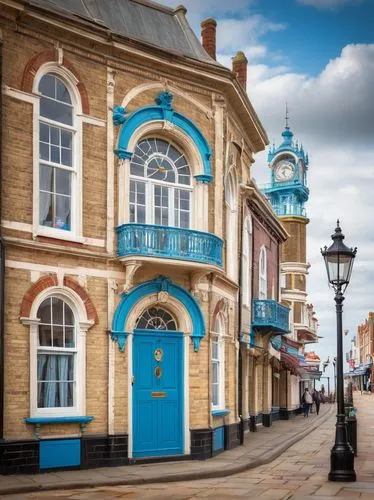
pixel 160 185
pixel 56 355
pixel 56 139
pixel 156 318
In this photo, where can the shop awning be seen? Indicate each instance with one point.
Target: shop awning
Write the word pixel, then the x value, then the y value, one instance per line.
pixel 290 362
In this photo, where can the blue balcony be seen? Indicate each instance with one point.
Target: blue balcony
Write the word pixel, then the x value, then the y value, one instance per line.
pixel 169 242
pixel 270 315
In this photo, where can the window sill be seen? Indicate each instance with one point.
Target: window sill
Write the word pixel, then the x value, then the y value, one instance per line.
pixel 59 234
pixel 38 421
pixel 220 413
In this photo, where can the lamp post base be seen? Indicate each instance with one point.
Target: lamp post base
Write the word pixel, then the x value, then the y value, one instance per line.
pixel 342 463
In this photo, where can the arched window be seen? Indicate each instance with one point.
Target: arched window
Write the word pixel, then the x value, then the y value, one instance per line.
pixel 218 364
pixel 156 318
pixel 58 147
pixel 231 225
pixel 57 347
pixel 262 274
pixel 246 262
pixel 160 185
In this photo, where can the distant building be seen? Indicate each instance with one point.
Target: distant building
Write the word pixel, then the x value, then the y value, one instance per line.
pixel 360 357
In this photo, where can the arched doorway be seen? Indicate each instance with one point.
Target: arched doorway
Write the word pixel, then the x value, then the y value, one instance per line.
pixel 157 385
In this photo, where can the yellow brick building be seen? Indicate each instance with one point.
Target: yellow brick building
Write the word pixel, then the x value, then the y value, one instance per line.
pixel 125 152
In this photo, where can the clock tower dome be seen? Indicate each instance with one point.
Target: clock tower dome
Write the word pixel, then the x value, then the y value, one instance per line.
pixel 288 190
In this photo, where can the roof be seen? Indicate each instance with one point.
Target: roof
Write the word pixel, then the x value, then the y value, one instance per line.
pixel 140 20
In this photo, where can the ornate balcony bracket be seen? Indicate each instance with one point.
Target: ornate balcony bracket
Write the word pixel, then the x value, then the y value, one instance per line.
pixel 120 338
pixel 196 277
pixel 131 268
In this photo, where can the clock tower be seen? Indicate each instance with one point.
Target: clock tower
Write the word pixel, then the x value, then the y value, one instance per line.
pixel 288 193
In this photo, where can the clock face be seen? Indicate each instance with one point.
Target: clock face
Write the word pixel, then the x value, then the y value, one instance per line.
pixel 284 171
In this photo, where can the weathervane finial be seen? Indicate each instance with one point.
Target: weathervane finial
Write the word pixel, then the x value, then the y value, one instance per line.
pixel 287 116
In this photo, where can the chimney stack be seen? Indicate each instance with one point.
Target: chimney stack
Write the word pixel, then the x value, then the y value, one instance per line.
pixel 239 66
pixel 208 35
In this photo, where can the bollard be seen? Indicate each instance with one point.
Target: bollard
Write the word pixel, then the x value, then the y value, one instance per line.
pixel 352 432
pixel 252 424
pixel 241 430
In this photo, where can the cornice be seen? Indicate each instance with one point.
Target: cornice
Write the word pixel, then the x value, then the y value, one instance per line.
pixel 57 249
pixel 294 218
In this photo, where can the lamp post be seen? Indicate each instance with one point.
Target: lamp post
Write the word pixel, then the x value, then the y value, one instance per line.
pixel 339 261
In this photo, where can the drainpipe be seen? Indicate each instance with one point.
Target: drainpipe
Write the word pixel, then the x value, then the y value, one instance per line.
pixel 2 265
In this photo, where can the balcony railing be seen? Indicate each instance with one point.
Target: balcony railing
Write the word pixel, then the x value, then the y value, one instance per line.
pixel 271 315
pixel 169 242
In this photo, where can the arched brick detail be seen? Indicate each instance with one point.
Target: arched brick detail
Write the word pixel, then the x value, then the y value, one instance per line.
pixel 219 307
pixel 34 290
pixel 38 60
pixel 88 304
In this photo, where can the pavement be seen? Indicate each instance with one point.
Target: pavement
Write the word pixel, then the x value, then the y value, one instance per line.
pixel 260 448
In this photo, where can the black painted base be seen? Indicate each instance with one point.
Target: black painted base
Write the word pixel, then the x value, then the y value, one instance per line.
pixel 267 419
pixel 22 457
pixel 232 436
pixel 201 444
pixel 252 423
pixel 285 414
pixel 19 457
pixel 104 451
pixel 342 464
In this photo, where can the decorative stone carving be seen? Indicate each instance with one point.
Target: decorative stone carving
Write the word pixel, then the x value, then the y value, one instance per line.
pixel 82 280
pixel 110 81
pixel 131 268
pixel 167 126
pixel 196 277
pixel 119 115
pixel 165 99
pixel 120 338
pixel 162 297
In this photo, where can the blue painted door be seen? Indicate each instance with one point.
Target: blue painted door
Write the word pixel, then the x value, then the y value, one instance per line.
pixel 157 393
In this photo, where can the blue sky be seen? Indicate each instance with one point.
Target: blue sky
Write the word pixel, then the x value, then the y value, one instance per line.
pixel 318 55
pixel 311 36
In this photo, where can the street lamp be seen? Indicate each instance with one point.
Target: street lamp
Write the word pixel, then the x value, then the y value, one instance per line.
pixel 339 261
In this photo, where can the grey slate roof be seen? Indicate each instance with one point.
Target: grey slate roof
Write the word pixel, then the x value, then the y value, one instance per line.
pixel 141 20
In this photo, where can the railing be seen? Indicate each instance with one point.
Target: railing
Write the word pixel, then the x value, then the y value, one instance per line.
pixel 169 242
pixel 271 315
pixel 289 210
pixel 271 186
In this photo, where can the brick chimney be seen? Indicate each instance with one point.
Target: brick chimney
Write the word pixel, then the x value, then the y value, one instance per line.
pixel 239 66
pixel 208 35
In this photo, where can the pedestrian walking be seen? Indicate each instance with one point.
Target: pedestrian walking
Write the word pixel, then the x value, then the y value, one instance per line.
pixel 317 400
pixel 306 401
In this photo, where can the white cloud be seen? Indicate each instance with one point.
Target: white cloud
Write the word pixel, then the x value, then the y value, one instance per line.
pixel 333 115
pixel 327 4
pixel 236 34
pixel 233 33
